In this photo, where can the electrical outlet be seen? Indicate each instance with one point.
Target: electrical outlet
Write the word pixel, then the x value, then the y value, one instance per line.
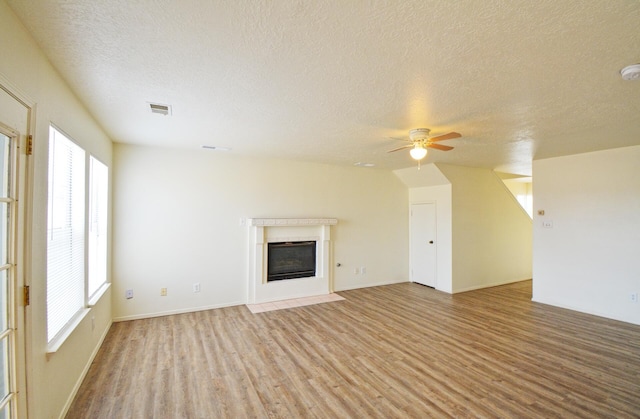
pixel 363 270
pixel 356 271
pixel 163 292
pixel 196 287
pixel 128 294
pixel 634 297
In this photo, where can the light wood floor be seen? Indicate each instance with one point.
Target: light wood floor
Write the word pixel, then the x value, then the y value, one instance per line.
pixel 393 351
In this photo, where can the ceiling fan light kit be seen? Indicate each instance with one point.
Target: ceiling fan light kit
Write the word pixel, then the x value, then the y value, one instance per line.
pixel 418 152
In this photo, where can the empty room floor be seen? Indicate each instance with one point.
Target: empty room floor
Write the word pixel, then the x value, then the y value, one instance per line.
pixel 392 351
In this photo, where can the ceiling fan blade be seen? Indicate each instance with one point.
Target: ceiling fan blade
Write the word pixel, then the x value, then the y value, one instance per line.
pixel 400 148
pixel 400 139
pixel 443 137
pixel 440 147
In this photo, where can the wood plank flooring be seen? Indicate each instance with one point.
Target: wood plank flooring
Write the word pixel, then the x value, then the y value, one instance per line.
pixel 394 351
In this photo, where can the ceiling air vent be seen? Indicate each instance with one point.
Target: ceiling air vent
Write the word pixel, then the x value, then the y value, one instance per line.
pixel 215 147
pixel 160 109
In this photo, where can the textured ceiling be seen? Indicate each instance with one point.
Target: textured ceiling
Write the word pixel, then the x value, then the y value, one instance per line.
pixel 330 80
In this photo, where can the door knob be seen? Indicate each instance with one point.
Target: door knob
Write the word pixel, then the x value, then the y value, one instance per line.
pixel 430 241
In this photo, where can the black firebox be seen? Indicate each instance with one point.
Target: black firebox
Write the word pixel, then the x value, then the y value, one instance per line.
pixel 290 260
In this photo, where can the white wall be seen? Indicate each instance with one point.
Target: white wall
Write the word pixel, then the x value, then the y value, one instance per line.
pixel 492 235
pixel 427 175
pixel 588 261
pixel 53 379
pixel 177 222
pixel 429 185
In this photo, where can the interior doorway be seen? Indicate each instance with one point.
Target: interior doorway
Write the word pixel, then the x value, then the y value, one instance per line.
pixel 423 261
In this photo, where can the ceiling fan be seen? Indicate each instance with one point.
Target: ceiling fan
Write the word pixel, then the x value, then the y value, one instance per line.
pixel 421 141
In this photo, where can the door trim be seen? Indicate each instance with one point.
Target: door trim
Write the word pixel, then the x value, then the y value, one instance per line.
pixel 25 167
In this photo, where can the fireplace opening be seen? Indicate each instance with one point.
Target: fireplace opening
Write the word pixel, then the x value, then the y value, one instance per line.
pixel 290 260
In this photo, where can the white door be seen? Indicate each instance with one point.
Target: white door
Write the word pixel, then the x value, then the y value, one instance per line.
pixel 423 244
pixel 14 125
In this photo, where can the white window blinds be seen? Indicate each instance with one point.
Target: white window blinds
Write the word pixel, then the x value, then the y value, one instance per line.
pixel 98 206
pixel 65 232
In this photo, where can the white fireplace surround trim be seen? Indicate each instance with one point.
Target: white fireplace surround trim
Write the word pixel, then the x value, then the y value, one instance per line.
pixel 291 221
pixel 267 230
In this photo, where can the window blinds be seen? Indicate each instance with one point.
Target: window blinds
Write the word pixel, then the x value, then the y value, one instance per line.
pixel 98 207
pixel 65 232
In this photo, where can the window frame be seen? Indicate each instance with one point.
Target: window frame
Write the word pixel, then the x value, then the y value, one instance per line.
pixel 93 297
pixel 88 301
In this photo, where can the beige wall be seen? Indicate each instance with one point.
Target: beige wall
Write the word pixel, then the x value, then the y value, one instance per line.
pixel 177 222
pixel 588 259
pixel 54 378
pixel 492 236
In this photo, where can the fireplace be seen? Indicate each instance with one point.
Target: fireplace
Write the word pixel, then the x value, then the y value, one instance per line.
pixel 311 277
pixel 291 260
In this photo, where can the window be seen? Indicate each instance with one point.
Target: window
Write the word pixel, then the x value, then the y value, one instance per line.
pixel 99 190
pixel 65 230
pixel 70 246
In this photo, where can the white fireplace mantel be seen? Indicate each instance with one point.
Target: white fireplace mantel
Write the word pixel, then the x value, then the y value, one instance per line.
pixel 267 222
pixel 265 230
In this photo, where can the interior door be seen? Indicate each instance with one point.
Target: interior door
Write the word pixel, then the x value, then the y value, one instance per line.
pixel 423 244
pixel 14 126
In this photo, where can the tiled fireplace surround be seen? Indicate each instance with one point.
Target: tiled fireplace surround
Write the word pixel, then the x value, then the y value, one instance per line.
pixel 269 230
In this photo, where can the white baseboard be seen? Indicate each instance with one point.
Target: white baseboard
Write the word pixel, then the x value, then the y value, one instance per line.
pixel 85 371
pixel 179 311
pixel 490 285
pixel 583 310
pixel 369 285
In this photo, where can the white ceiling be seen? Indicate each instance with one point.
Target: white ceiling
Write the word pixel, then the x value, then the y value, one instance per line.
pixel 330 80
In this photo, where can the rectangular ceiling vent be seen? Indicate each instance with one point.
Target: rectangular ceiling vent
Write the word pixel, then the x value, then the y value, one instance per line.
pixel 160 109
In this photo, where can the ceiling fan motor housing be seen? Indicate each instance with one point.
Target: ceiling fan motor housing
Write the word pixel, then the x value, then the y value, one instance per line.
pixel 631 72
pixel 419 134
